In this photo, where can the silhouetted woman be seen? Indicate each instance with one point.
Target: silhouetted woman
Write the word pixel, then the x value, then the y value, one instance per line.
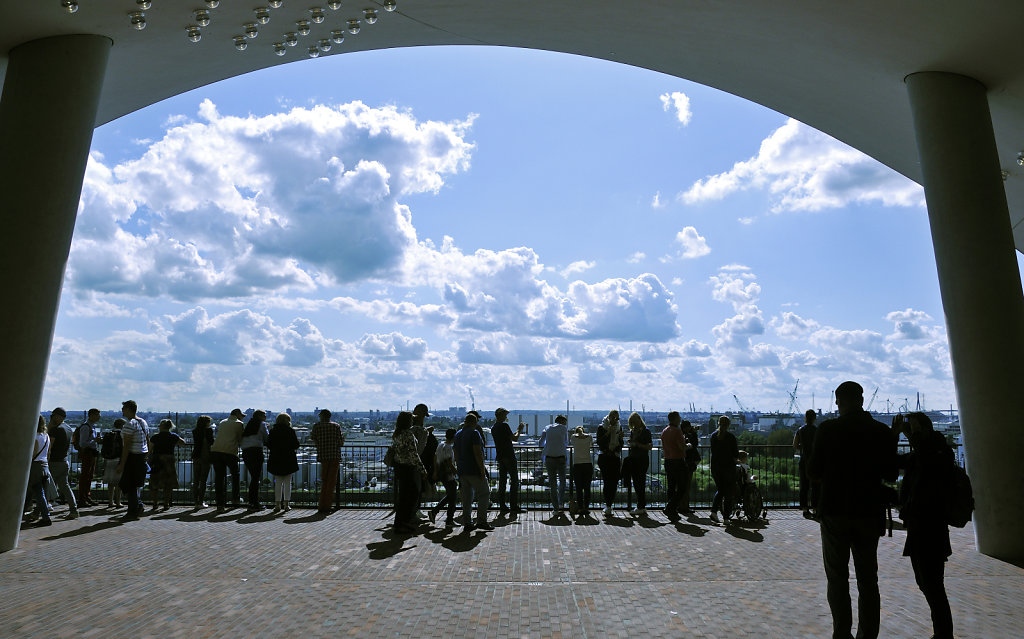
pixel 282 444
pixel 640 445
pixel 409 473
pixel 254 435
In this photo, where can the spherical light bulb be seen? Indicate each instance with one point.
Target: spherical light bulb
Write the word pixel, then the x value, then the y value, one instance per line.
pixel 318 15
pixel 213 4
pixel 390 5
pixel 290 39
pixel 202 17
pixel 1020 159
pixel 144 5
pixel 193 34
pixel 240 43
pixel 353 26
pixel 275 4
pixel 302 26
pixel 70 6
pixel 334 4
pixel 370 15
pixel 337 36
pixel 250 30
pixel 324 45
pixel 138 20
pixel 279 48
pixel 314 52
pixel 262 15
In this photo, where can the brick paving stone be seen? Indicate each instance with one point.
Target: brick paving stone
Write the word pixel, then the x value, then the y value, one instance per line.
pixel 181 574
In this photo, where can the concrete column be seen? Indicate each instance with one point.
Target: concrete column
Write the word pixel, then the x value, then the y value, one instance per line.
pixel 981 294
pixel 47 115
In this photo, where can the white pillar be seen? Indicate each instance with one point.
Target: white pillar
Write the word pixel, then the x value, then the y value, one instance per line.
pixel 47 114
pixel 981 294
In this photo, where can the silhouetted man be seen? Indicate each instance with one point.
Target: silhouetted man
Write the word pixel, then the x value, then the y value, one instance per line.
pixel 803 442
pixel 852 456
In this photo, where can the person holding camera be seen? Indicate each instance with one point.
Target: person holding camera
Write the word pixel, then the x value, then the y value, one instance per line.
pixel 505 455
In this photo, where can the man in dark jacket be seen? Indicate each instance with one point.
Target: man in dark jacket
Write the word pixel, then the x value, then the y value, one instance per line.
pixel 803 442
pixel 852 456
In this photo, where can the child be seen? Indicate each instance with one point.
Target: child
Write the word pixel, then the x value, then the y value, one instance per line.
pixel 743 470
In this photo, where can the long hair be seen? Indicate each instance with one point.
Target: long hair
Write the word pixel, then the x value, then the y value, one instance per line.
pixel 253 426
pixel 403 423
pixel 41 427
pixel 283 419
pixel 636 421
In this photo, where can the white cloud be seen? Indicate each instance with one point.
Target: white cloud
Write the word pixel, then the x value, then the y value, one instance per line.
pixel 908 325
pixel 637 257
pixel 692 244
pixel 234 206
pixel 680 103
pixel 394 346
pixel 792 326
pixel 577 267
pixel 804 169
pixel 506 350
pixel 745 221
pixel 656 202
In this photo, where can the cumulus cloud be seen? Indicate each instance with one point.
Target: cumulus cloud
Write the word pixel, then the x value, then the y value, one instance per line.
pixel 792 326
pixel 691 244
pixel 577 267
pixel 393 346
pixel 678 102
pixel 804 169
pixel 908 325
pixel 234 206
pixel 637 257
pixel 506 350
pixel 656 202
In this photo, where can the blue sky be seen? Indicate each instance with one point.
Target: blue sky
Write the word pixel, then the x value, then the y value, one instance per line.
pixel 363 230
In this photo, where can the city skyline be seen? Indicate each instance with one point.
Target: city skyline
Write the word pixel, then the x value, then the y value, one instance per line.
pixel 417 227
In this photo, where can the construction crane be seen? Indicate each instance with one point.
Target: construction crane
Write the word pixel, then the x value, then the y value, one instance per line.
pixel 873 395
pixel 794 406
pixel 738 403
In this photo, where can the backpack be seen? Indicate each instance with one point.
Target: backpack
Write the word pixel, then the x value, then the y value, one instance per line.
pixel 113 445
pixel 959 507
pixel 75 438
pixel 429 451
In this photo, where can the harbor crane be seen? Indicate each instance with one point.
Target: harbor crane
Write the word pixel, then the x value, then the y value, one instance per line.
pixel 738 403
pixel 872 401
pixel 794 406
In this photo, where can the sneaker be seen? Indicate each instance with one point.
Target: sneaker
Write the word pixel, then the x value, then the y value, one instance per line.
pixel 485 526
pixel 449 523
pixel 44 522
pixel 71 515
pixel 287 507
pixel 607 511
pixel 129 517
pixel 714 517
pixel 808 514
pixel 433 514
pixel 639 511
pixel 276 508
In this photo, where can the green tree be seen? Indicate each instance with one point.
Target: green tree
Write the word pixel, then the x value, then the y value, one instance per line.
pixel 751 438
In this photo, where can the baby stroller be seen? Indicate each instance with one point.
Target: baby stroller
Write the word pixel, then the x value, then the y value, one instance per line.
pixel 749 503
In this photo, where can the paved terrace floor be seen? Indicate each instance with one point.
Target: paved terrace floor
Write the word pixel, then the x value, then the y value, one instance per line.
pixel 179 574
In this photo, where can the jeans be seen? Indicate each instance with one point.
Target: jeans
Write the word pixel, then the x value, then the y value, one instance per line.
pixel 282 488
pixel 330 480
pixel 474 487
pixel 674 470
pixel 508 469
pixel 841 537
pixel 200 476
pixel 37 478
pixel 253 458
pixel 684 486
pixel 636 468
pixel 808 489
pixel 611 467
pixel 725 490
pixel 222 463
pixel 132 479
pixel 59 471
pixel 88 458
pixel 408 478
pixel 582 475
pixel 556 469
pixel 451 489
pixel 928 572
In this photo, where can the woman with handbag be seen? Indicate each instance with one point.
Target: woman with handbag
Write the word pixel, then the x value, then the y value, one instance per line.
pixel 409 473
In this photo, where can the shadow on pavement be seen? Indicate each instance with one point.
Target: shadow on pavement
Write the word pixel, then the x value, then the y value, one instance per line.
pixel 621 522
pixel 388 547
pixel 85 530
pixel 743 533
pixel 692 530
pixel 557 519
pixel 316 515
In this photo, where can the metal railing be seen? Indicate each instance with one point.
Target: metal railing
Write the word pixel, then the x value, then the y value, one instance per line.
pixel 364 481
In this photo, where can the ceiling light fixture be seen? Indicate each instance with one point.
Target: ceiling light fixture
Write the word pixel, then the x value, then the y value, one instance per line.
pixel 371 15
pixel 193 33
pixel 337 36
pixel 1020 159
pixel 138 20
pixel 353 26
pixel 302 26
pixel 280 49
pixel 240 43
pixel 318 15
pixel 314 52
pixel 69 6
pixel 334 4
pixel 212 4
pixel 262 15
pixel 324 45
pixel 250 30
pixel 144 5
pixel 290 39
pixel 390 5
pixel 275 4
pixel 202 17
